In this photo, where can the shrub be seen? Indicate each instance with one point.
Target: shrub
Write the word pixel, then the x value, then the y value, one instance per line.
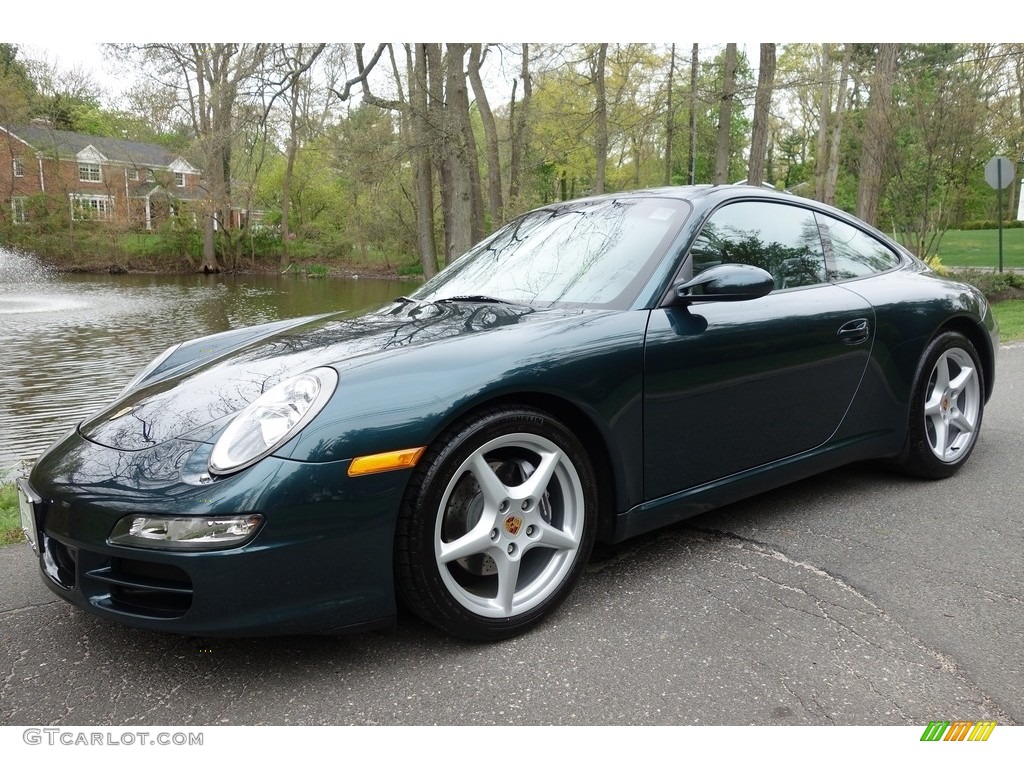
pixel 997 286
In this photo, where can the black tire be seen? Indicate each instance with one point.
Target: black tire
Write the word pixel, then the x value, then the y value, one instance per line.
pixel 946 408
pixel 479 553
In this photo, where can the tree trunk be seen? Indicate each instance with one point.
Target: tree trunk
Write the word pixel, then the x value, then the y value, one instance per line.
pixel 877 133
pixel 458 105
pixel 762 113
pixel 601 110
pixel 725 116
pixel 692 160
pixel 832 174
pixel 670 120
pixel 457 190
pixel 825 105
pixel 289 169
pixel 418 103
pixel 518 113
pixel 495 204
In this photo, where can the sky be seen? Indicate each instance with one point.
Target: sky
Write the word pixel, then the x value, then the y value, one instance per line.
pixel 72 45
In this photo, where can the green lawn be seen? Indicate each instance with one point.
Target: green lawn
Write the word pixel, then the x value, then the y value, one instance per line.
pixel 1010 315
pixel 980 248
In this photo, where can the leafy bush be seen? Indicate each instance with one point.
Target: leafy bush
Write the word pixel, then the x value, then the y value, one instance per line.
pixel 992 224
pixel 997 286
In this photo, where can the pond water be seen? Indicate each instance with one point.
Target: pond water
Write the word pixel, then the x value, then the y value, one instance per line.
pixel 69 343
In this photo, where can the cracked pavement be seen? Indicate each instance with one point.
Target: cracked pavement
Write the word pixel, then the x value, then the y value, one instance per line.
pixel 858 597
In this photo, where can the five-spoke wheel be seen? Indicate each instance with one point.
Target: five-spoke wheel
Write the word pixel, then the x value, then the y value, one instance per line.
pixel 946 409
pixel 497 524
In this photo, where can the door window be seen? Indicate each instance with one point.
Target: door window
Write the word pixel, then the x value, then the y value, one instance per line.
pixel 781 239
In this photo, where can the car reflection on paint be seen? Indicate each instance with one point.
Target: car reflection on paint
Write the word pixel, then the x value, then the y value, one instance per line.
pixel 593 370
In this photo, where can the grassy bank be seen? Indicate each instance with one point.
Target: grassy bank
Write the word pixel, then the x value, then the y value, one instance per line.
pixel 99 250
pixel 10 518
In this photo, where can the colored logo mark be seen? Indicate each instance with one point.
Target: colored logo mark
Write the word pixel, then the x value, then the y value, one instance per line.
pixel 958 730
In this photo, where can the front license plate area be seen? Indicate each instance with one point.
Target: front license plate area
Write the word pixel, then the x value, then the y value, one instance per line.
pixel 27 501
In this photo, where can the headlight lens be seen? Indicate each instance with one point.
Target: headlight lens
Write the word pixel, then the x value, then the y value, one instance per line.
pixel 272 419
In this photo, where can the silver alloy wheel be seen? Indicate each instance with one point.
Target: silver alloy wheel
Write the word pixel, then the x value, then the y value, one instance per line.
pixel 952 405
pixel 509 525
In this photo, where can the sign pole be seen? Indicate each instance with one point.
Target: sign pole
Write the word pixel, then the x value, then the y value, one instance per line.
pixel 999 174
pixel 999 214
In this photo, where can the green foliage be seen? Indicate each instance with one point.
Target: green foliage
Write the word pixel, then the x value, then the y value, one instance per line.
pixel 991 224
pixel 997 286
pixel 10 517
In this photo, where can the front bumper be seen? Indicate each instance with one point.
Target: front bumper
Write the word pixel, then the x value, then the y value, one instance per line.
pixel 321 562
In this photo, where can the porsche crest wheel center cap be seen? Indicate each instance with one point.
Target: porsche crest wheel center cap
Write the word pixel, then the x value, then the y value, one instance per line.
pixel 513 525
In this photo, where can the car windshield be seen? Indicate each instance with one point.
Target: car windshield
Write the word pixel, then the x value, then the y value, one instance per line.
pixel 596 253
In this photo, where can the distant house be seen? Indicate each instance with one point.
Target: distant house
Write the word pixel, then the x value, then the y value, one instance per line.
pixel 130 183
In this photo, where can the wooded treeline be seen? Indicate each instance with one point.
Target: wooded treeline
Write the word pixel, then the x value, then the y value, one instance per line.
pixel 414 151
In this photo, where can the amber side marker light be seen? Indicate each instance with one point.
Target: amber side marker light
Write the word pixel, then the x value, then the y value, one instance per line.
pixel 385 462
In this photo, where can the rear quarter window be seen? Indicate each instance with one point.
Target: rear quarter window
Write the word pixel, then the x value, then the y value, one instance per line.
pixel 853 252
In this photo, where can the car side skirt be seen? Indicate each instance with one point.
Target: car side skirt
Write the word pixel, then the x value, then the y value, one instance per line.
pixel 675 507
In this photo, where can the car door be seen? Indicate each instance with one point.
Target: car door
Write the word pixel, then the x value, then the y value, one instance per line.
pixel 734 385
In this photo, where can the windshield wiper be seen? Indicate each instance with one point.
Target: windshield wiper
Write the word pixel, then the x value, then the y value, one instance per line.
pixel 474 298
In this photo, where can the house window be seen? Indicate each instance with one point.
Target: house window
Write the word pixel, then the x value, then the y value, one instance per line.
pixel 133 174
pixel 179 179
pixel 19 168
pixel 18 213
pixel 89 172
pixel 91 207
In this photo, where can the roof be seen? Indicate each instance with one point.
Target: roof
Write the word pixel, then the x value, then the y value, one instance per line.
pixel 68 144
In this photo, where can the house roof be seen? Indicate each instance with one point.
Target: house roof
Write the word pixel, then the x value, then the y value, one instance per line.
pixel 69 144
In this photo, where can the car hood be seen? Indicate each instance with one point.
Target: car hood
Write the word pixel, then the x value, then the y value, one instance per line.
pixel 196 403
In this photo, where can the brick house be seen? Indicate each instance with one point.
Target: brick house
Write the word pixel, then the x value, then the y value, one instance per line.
pixel 128 183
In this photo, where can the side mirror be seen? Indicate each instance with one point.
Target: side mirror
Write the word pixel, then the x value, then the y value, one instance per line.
pixel 726 282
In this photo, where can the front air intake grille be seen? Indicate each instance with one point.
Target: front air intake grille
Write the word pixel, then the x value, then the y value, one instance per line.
pixel 139 588
pixel 59 562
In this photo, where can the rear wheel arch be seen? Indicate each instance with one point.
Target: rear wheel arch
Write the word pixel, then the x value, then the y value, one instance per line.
pixel 982 344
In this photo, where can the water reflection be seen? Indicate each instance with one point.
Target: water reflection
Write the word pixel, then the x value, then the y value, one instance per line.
pixel 69 343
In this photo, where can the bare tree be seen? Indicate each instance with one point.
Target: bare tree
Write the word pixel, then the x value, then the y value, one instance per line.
pixel 694 71
pixel 762 111
pixel 495 203
pixel 725 115
pixel 832 170
pixel 291 63
pixel 518 124
pixel 670 115
pixel 208 80
pixel 877 137
pixel 601 115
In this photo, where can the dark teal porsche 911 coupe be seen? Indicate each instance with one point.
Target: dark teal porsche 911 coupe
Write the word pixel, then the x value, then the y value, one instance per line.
pixel 591 371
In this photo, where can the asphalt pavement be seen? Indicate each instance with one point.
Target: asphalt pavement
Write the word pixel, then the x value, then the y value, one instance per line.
pixel 858 597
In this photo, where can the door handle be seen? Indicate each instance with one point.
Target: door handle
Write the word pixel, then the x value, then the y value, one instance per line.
pixel 855 331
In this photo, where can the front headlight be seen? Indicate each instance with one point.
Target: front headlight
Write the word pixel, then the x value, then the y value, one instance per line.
pixel 272 419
